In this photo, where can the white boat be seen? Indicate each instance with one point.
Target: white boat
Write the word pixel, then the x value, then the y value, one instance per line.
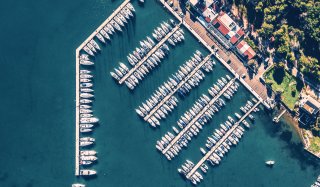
pixel 115 76
pixel 88 50
pixel 84 71
pixel 89 120
pixel 85 106
pixel 91 47
pixel 94 44
pixel 128 11
pixel 86 85
pixel 84 57
pixel 86 90
pixel 85 162
pixel 85 130
pixel 88 126
pixel 125 14
pixel 270 162
pixel 130 6
pixel 87 139
pixel 110 27
pixel 108 30
pixel 104 34
pixel 85 101
pixel 83 143
pixel 86 62
pixel 85 76
pixel 87 172
pixel 118 20
pixel 123 19
pixel 86 95
pixel 85 80
pixel 88 152
pixel 78 185
pixel 100 37
pixel 115 25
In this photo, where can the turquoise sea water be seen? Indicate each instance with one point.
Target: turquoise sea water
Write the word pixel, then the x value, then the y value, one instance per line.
pixel 38 42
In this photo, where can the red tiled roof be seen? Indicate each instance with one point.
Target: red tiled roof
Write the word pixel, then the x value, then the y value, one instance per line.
pixel 223 29
pixel 240 32
pixel 240 44
pixel 234 39
pixel 214 22
pixel 250 53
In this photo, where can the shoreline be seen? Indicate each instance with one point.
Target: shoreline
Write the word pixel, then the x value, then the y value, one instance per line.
pixel 290 121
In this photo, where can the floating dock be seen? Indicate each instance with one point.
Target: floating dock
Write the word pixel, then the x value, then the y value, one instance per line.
pixel 77 134
pixel 154 49
pixel 209 153
pixel 184 130
pixel 177 88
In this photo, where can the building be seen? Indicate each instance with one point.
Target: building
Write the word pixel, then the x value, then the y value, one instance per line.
pixel 209 15
pixel 309 110
pixel 222 27
pixel 228 28
pixel 245 50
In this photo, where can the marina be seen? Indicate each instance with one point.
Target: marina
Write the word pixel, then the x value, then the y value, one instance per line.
pixel 39 98
pixel 85 121
pixel 209 47
pixel 195 119
pixel 194 169
pixel 152 51
pixel 174 90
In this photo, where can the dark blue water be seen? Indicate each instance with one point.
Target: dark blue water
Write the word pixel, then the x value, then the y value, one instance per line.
pixel 38 42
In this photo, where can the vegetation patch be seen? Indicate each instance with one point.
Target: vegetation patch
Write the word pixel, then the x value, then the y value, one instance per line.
pixel 285 84
pixel 314 145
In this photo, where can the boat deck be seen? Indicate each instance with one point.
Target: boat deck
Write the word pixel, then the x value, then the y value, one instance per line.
pixel 184 130
pixel 177 88
pixel 209 153
pixel 154 49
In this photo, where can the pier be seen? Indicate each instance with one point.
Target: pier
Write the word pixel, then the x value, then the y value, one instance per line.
pixel 177 88
pixel 184 130
pixel 209 47
pixel 154 49
pixel 209 153
pixel 277 118
pixel 77 153
pixel 77 122
pixel 115 12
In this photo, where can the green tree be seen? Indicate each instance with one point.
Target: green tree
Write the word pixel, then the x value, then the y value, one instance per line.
pixel 266 30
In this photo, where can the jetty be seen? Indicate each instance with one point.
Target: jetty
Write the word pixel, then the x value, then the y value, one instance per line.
pixel 209 153
pixel 184 130
pixel 77 122
pixel 154 49
pixel 114 13
pixel 277 118
pixel 177 88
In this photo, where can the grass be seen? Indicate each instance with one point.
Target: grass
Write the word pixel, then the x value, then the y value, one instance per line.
pixel 281 81
pixel 314 145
